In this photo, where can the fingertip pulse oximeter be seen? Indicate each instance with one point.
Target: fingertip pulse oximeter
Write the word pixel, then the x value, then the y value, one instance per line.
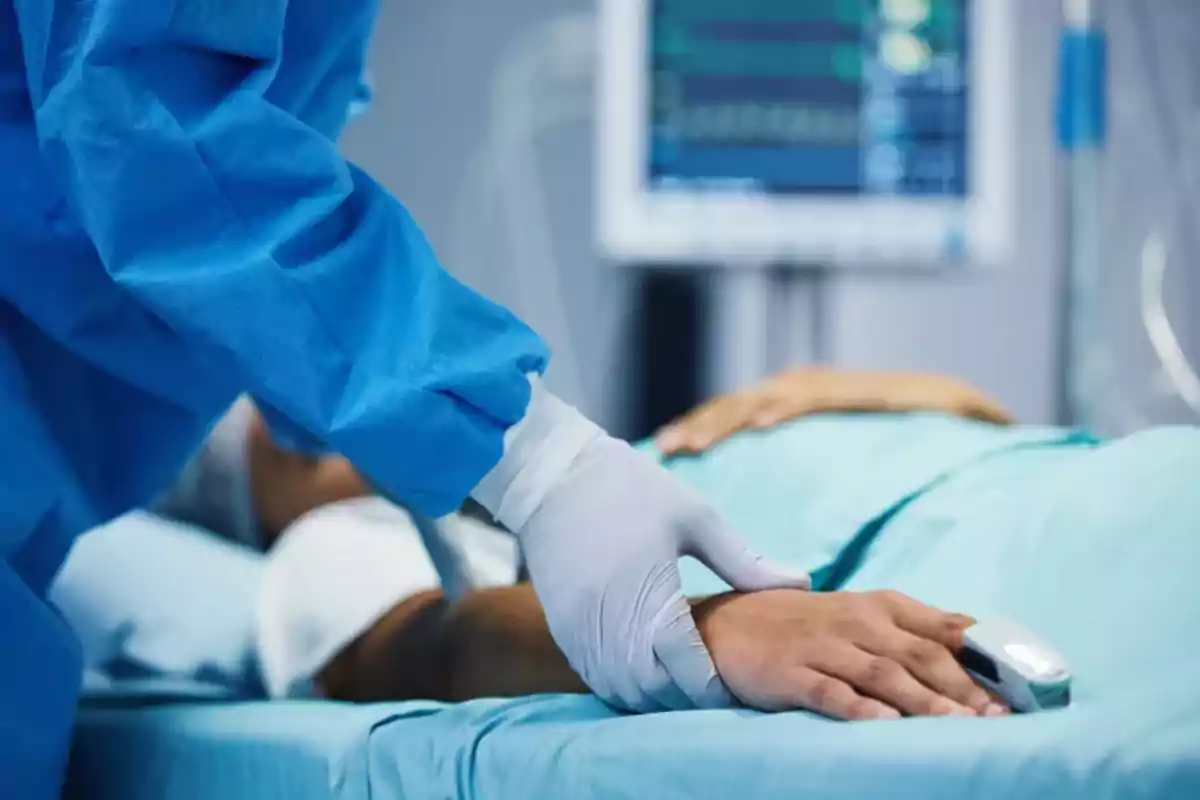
pixel 1024 671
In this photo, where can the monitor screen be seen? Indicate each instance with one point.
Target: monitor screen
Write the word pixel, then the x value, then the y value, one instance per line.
pixel 809 97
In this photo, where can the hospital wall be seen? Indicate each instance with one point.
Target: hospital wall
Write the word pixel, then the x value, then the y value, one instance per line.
pixel 436 66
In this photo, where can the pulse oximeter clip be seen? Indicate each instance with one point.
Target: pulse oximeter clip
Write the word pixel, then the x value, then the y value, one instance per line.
pixel 1024 671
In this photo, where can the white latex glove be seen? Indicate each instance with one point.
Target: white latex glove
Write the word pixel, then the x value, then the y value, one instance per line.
pixel 602 528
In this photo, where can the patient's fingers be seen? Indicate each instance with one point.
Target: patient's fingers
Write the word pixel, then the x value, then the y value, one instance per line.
pixel 713 422
pixel 731 416
pixel 983 408
pixel 775 410
pixel 925 643
pixel 833 697
pixel 925 621
pixel 934 665
pixel 682 435
pixel 884 679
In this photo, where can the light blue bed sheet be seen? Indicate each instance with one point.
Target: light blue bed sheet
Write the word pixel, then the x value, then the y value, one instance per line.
pixel 233 751
pixel 1096 547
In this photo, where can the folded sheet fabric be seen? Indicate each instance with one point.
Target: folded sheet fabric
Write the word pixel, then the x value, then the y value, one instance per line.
pixel 805 491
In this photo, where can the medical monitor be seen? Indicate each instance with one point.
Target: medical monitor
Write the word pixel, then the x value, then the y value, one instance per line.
pixel 836 132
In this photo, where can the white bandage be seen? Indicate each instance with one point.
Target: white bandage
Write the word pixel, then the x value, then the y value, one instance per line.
pixel 331 576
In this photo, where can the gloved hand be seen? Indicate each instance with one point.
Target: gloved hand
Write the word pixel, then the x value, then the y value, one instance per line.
pixel 602 528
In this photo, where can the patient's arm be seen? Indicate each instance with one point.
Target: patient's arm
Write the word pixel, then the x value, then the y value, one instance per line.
pixel 843 654
pixel 492 643
pixel 809 391
pixel 847 655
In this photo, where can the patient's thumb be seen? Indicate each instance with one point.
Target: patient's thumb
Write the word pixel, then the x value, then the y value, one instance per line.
pixel 719 548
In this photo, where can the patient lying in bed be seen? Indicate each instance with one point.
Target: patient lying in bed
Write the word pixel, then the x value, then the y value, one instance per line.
pixel 855 655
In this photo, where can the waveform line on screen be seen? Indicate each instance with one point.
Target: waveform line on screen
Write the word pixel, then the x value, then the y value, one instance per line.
pixel 848 11
pixel 795 31
pixel 942 15
pixel 841 61
pixel 763 123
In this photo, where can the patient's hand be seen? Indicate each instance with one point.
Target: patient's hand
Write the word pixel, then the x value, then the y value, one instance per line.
pixel 810 391
pixel 843 654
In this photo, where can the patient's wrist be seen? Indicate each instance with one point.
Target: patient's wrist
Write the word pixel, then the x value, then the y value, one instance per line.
pixel 704 608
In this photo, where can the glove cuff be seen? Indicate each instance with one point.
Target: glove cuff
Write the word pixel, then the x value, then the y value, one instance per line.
pixel 538 452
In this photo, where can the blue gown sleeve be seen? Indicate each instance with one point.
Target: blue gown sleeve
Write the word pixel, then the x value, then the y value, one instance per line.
pixel 244 230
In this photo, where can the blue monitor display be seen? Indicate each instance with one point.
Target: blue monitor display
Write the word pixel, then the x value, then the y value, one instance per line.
pixel 810 97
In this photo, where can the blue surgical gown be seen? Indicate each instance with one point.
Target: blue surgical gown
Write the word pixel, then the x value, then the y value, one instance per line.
pixel 176 226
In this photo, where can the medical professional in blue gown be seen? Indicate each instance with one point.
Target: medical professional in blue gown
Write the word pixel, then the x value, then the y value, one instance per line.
pixel 176 226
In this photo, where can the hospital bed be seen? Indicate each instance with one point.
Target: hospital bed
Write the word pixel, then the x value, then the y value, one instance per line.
pixel 1094 546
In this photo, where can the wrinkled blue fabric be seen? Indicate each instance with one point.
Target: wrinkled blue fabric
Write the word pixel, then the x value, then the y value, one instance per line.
pixel 176 226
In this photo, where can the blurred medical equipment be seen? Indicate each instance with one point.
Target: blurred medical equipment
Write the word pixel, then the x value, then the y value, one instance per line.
pixel 544 85
pixel 1017 665
pixel 1092 393
pixel 755 134
pixel 836 132
pixel 1180 376
pixel 887 140
pixel 1085 368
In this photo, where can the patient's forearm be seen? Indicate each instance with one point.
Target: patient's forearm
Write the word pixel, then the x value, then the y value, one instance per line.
pixel 496 642
pixel 492 643
pixel 843 654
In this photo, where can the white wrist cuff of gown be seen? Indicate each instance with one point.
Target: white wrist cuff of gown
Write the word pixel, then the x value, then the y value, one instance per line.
pixel 331 575
pixel 538 451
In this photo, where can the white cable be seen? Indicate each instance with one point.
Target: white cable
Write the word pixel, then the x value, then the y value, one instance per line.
pixel 1179 371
